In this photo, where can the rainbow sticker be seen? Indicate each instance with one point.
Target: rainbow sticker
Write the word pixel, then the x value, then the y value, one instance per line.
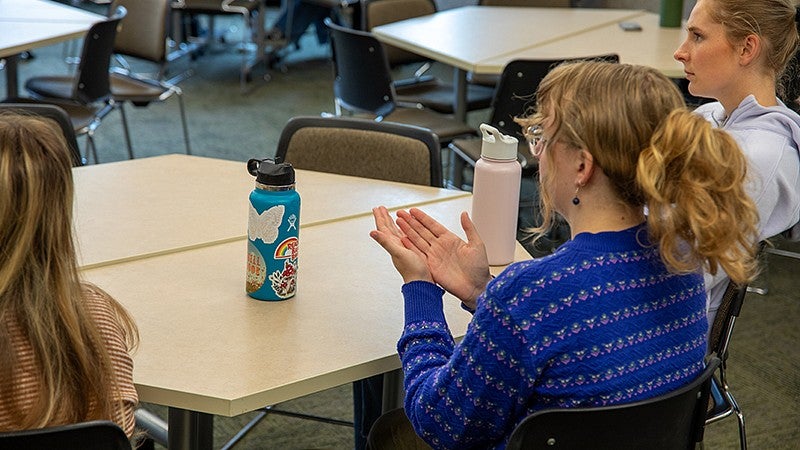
pixel 287 249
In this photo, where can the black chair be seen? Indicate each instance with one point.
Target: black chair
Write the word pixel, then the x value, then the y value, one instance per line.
pixel 54 113
pixel 94 435
pixel 672 421
pixel 86 96
pixel 363 84
pixel 723 404
pixel 144 36
pixel 421 88
pixel 514 95
pixel 362 148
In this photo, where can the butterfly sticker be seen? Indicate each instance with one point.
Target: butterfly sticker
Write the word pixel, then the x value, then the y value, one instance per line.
pixel 264 226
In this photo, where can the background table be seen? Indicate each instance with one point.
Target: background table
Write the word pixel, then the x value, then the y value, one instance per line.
pixel 29 24
pixel 206 347
pixel 465 37
pixel 653 46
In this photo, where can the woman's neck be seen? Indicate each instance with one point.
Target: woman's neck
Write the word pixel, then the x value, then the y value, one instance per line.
pixel 763 89
pixel 611 215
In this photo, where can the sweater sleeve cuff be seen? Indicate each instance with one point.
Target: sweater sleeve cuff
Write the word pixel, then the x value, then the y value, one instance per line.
pixel 423 302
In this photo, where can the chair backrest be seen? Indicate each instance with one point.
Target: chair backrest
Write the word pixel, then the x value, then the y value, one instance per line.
pixel 144 31
pixel 517 87
pixel 92 83
pixel 728 311
pixel 54 113
pixel 362 80
pixel 536 3
pixel 672 421
pixel 363 148
pixel 94 435
pixel 380 12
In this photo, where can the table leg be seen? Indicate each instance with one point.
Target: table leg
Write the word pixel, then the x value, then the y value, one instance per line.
pixel 190 430
pixel 12 87
pixel 460 109
pixel 393 391
pixel 460 100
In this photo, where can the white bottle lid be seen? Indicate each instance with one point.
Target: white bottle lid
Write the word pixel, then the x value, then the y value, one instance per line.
pixel 497 145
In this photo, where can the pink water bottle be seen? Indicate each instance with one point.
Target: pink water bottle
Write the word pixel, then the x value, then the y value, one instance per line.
pixel 495 199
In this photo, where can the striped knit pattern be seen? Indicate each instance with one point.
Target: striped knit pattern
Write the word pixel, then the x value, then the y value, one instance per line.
pixel 25 381
pixel 599 322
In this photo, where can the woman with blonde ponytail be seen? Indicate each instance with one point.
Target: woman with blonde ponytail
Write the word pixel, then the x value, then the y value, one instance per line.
pixel 64 344
pixel 654 197
pixel 744 55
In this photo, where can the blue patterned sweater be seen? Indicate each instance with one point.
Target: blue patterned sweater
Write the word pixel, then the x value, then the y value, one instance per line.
pixel 601 321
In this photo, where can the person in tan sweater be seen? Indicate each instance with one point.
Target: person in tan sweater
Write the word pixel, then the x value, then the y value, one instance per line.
pixel 64 344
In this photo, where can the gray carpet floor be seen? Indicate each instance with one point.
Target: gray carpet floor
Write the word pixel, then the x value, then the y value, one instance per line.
pixel 764 364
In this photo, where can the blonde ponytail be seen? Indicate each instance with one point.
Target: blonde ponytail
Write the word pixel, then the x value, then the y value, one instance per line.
pixel 692 176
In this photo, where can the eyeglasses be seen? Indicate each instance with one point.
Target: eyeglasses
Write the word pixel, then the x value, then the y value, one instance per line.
pixel 536 140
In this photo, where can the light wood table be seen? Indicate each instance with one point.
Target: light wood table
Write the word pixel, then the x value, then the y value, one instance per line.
pixel 465 37
pixel 29 24
pixel 139 208
pixel 206 347
pixel 653 46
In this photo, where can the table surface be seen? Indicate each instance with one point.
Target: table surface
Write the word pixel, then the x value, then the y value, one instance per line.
pixel 464 37
pixel 176 202
pixel 29 24
pixel 206 346
pixel 652 47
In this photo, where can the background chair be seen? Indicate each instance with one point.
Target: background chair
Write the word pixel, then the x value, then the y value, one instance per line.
pixel 369 149
pixel 147 35
pixel 252 13
pixel 421 88
pixel 363 84
pixel 672 421
pixel 52 112
pixel 94 435
pixel 514 95
pixel 144 36
pixel 86 96
pixel 362 148
pixel 723 404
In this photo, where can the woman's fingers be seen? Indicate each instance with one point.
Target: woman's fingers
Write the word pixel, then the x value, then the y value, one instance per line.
pixel 419 228
pixel 411 235
pixel 384 222
pixel 428 222
pixel 469 229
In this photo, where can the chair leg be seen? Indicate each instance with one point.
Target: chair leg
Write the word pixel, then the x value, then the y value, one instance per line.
pixel 125 129
pixel 91 147
pixel 183 122
pixel 740 419
pixel 761 285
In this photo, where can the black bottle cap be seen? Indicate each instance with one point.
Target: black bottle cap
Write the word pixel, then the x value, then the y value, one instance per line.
pixel 270 173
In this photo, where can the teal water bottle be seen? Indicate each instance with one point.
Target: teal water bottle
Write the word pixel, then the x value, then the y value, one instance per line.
pixel 272 231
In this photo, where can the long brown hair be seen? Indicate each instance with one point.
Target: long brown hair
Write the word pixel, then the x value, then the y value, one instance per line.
pixel 658 154
pixel 40 290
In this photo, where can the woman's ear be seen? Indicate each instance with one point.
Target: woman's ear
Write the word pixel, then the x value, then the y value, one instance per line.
pixel 749 49
pixel 584 166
